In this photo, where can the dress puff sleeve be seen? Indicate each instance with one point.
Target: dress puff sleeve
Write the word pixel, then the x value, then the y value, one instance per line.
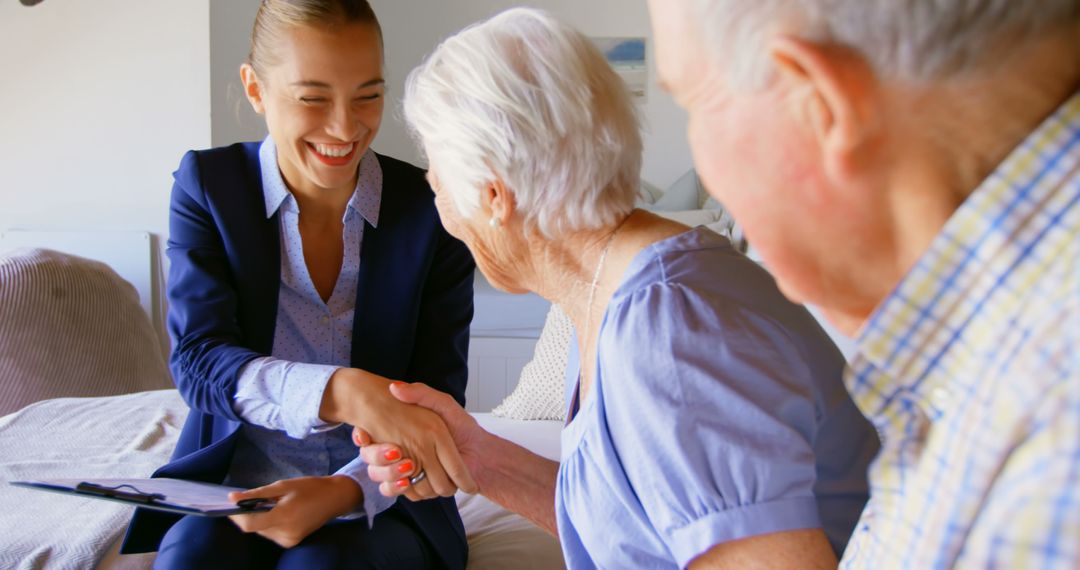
pixel 712 415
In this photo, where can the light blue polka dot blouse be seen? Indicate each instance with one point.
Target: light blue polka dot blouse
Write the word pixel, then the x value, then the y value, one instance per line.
pixel 279 395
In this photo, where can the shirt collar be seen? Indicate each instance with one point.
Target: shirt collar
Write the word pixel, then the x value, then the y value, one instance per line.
pixel 366 198
pixel 976 250
pixel 274 190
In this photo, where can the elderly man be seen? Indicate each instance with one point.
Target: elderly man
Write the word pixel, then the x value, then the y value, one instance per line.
pixel 913 167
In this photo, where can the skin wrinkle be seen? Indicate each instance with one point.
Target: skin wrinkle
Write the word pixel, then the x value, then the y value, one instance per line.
pixel 560 270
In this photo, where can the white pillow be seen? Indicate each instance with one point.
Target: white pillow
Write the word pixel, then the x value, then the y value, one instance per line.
pixel 648 194
pixel 683 194
pixel 539 393
pixel 694 218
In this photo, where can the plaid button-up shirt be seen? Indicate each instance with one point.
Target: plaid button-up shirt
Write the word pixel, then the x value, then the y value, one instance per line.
pixel 970 371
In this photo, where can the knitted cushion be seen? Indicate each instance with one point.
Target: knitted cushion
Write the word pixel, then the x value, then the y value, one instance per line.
pixel 540 390
pixel 71 327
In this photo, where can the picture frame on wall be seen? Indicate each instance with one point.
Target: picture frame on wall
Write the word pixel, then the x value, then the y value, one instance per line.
pixel 627 57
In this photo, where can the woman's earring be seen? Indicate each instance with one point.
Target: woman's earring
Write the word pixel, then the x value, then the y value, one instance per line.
pixel 495 222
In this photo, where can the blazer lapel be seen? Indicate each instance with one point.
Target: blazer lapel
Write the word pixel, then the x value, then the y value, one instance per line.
pixel 258 259
pixel 391 276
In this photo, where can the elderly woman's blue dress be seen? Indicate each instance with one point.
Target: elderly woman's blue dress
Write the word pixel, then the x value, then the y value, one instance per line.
pixel 718 413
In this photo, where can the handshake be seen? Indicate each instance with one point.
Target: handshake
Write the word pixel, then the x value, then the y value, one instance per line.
pixel 424 445
pixel 417 441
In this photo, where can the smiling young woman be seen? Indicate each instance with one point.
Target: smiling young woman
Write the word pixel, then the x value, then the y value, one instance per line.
pixel 306 272
pixel 321 90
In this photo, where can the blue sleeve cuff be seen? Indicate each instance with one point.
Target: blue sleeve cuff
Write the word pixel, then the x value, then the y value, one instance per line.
pixel 695 538
pixel 302 397
pixel 283 395
pixel 374 502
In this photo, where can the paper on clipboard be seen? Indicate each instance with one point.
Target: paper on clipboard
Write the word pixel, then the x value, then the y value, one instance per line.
pixel 171 495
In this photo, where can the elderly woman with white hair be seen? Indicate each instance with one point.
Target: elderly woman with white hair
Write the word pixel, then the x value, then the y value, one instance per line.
pixel 707 419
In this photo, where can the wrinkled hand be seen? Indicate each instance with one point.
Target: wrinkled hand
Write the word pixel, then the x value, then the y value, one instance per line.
pixel 304 505
pixel 419 432
pixel 387 462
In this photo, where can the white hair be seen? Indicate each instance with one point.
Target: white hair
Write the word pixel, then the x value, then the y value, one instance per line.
pixel 915 40
pixel 528 100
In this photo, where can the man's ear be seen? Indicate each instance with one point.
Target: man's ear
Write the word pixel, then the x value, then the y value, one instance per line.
pixel 835 91
pixel 252 87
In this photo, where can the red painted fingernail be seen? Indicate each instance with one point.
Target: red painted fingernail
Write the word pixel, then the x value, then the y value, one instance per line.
pixel 397 383
pixel 392 455
pixel 405 467
pixel 402 483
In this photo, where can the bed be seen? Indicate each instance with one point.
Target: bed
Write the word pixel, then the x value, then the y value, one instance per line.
pixel 131 435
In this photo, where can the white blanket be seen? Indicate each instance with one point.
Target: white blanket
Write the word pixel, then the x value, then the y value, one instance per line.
pixel 118 436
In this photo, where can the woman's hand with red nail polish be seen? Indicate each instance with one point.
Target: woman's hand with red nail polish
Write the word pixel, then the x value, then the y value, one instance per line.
pixel 387 467
pixel 304 505
pixel 467 434
pixel 367 401
pixel 361 438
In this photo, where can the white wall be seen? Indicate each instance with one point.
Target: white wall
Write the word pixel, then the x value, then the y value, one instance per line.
pixel 412 29
pixel 100 100
pixel 233 120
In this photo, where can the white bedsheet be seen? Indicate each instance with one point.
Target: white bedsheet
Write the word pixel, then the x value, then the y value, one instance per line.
pixel 500 539
pixel 130 436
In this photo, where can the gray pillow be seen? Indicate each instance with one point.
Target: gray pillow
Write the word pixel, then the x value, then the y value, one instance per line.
pixel 71 327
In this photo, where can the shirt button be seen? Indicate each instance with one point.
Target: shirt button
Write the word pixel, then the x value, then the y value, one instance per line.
pixel 325 319
pixel 941 397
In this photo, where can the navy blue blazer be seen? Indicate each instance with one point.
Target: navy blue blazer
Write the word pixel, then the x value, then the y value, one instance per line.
pixel 414 303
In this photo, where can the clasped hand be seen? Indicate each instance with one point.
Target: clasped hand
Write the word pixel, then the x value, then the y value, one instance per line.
pixel 392 464
pixel 365 401
pixel 305 504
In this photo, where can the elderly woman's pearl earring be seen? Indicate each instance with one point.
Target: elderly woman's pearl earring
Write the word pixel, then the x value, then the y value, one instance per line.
pixel 495 222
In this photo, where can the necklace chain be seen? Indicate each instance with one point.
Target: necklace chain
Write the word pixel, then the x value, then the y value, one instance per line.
pixel 596 279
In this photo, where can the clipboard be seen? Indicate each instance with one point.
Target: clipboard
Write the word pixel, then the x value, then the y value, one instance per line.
pixel 162 494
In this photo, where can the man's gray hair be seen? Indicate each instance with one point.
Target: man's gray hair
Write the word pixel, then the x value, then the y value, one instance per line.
pixel 529 100
pixel 914 40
